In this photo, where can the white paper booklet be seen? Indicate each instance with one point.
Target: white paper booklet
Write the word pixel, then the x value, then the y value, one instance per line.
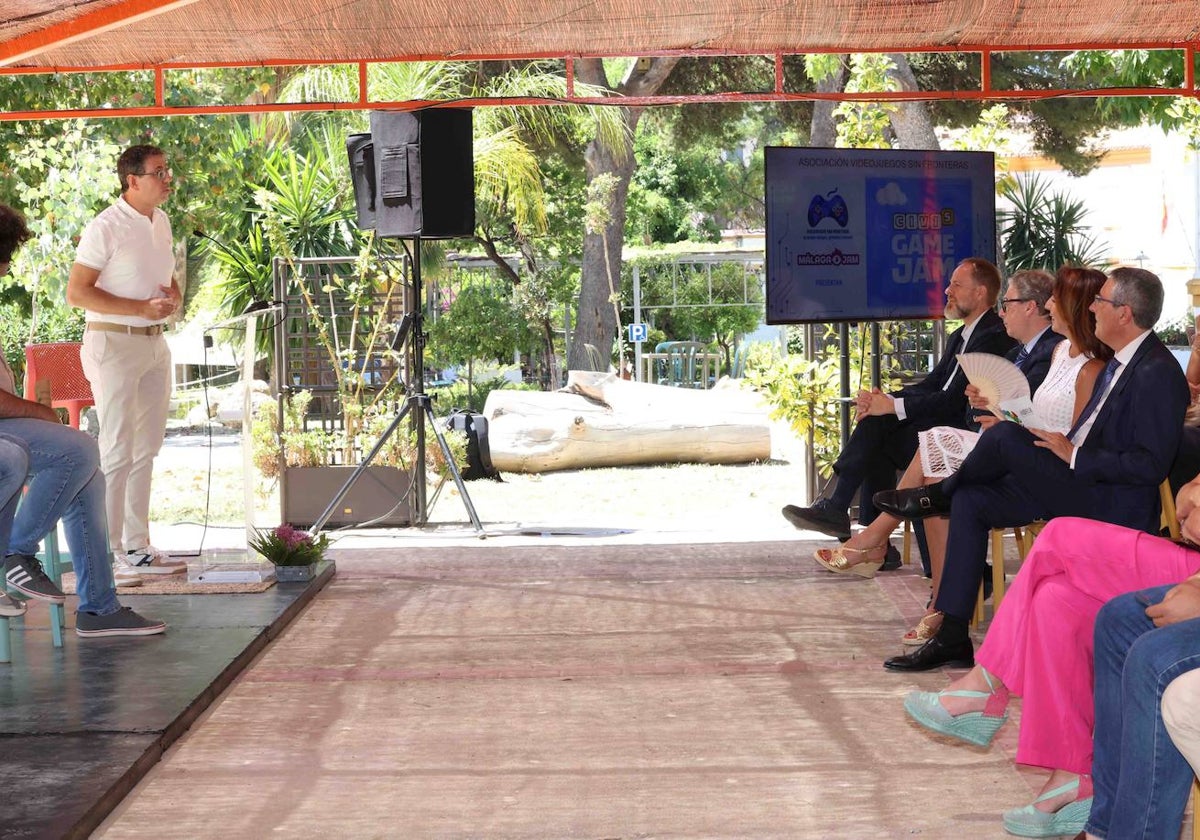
pixel 1021 410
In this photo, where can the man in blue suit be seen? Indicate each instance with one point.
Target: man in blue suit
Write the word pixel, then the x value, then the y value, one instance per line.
pixel 1107 467
pixel 885 437
pixel 1023 309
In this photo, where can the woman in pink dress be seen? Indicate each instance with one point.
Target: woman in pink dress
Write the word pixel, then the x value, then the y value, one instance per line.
pixel 1039 647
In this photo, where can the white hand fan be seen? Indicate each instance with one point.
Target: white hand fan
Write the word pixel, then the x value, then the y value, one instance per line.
pixel 997 379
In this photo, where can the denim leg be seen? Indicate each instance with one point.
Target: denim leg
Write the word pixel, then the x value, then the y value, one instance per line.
pixel 14 467
pixel 66 483
pixel 1135 661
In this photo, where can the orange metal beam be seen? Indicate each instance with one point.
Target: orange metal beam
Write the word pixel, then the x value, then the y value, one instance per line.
pixel 84 26
pixel 894 96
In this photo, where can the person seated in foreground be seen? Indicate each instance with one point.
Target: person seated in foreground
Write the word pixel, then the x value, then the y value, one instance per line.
pixel 1141 778
pixel 1077 361
pixel 1107 466
pixel 14 466
pixel 1181 716
pixel 1039 647
pixel 1187 459
pixel 64 482
pixel 885 437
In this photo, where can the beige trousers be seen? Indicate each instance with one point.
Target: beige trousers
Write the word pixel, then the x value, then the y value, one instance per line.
pixel 131 381
pixel 1181 714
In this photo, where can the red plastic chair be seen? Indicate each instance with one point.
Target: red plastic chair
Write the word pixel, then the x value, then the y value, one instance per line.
pixel 59 364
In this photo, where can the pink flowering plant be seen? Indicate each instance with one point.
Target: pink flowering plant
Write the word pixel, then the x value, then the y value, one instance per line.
pixel 287 546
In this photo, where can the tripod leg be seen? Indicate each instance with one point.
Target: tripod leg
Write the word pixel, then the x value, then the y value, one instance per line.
pixel 454 473
pixel 366 462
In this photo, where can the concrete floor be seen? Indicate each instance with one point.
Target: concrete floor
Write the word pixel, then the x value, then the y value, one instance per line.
pixel 81 724
pixel 592 689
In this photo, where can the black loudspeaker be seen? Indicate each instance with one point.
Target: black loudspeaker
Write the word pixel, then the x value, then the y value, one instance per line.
pixel 423 171
pixel 362 173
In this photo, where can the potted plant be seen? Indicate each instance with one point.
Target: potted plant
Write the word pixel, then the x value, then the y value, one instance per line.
pixel 294 553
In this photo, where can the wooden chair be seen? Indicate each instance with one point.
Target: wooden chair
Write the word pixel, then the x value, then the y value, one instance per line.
pixel 58 366
pixel 1195 808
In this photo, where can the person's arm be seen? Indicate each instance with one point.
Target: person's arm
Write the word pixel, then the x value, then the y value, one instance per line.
pixel 929 400
pixel 13 407
pixel 1193 366
pixel 82 292
pixel 1085 383
pixel 1188 501
pixel 1144 429
pixel 1181 603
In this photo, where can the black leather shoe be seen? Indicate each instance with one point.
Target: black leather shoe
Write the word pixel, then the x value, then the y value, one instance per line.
pixel 891 559
pixel 917 503
pixel 822 517
pixel 934 654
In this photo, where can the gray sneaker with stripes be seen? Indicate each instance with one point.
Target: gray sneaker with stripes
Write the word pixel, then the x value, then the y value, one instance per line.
pixel 23 573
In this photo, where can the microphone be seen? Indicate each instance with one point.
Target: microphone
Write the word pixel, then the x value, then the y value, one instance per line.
pixel 255 304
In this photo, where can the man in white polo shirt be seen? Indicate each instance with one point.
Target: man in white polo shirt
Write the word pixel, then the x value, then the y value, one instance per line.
pixel 124 278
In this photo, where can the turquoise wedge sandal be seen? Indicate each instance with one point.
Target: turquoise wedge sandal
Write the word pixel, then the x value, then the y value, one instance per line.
pixel 977 728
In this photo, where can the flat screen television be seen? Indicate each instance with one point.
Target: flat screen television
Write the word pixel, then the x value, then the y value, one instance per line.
pixel 872 234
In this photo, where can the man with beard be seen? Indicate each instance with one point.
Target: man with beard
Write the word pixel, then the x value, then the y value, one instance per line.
pixel 885 436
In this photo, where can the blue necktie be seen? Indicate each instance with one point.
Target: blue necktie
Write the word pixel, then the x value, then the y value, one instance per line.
pixel 1021 357
pixel 1098 393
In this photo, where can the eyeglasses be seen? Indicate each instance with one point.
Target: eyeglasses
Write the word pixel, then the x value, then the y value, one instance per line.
pixel 1006 301
pixel 1110 301
pixel 161 174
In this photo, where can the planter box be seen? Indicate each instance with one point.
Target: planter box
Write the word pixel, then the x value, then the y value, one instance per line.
pixel 296 574
pixel 305 492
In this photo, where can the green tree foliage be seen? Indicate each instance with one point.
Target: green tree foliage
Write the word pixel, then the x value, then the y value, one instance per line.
pixel 867 125
pixel 712 302
pixel 1063 128
pixel 60 184
pixel 480 323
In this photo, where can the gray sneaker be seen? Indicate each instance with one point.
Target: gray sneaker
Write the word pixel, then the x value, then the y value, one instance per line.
pixel 24 573
pixel 10 607
pixel 124 622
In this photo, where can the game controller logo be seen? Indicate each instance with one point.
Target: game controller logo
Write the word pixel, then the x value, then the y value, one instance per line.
pixel 834 258
pixel 829 206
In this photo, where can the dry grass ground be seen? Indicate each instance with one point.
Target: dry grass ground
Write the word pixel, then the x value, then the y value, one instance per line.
pixel 194 474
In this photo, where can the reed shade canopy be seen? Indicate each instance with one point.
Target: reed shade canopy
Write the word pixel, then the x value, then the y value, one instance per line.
pixel 120 34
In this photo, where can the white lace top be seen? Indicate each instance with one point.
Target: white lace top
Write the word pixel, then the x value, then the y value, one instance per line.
pixel 943 448
pixel 1054 401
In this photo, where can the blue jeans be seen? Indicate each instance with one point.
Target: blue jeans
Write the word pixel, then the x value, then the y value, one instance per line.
pixel 1141 780
pixel 14 467
pixel 65 483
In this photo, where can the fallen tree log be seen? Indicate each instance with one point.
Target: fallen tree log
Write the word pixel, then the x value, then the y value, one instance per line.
pixel 599 420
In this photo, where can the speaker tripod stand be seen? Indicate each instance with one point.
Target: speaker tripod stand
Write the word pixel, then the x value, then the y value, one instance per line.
pixel 421 403
pixel 415 400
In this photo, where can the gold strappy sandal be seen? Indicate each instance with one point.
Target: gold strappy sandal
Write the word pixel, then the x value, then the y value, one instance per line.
pixel 925 630
pixel 837 561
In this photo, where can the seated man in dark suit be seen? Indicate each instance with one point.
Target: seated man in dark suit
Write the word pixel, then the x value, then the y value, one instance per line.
pixel 1023 310
pixel 885 437
pixel 1108 467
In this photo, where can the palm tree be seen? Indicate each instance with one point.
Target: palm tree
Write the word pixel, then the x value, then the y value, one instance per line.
pixel 1044 229
pixel 509 188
